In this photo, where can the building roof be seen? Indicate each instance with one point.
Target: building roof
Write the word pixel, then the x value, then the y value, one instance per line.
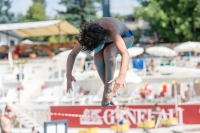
pixel 41 28
pixel 11 33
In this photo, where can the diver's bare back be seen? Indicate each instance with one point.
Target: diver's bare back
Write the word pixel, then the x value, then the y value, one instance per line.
pixel 109 23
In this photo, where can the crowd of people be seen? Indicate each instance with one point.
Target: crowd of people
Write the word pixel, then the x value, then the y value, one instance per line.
pixel 146 93
pixel 33 50
pixel 140 63
pixel 154 40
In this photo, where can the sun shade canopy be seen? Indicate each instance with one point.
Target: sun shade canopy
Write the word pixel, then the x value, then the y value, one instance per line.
pixel 41 28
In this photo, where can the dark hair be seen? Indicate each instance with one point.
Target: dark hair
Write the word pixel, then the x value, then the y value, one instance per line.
pixel 91 36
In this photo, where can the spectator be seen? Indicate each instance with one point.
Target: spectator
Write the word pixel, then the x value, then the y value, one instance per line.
pixel 151 68
pixel 156 111
pixel 18 50
pixel 138 63
pixel 181 54
pixel 41 52
pixel 155 38
pixel 80 93
pixel 191 91
pixel 5 120
pixel 180 61
pixel 4 52
pixel 146 92
pixel 122 115
pixel 171 46
pixel 196 53
pixel 198 65
pixel 54 48
pixel 163 89
pixel 142 93
pixel 143 40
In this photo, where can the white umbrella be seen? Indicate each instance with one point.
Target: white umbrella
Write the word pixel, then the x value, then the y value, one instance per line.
pixel 187 47
pixel 178 72
pixel 135 51
pixel 130 77
pixel 27 41
pixel 65 54
pixel 161 51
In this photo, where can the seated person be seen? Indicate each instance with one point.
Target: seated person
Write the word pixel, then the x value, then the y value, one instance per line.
pixel 80 93
pixel 163 89
pixel 122 116
pixel 146 91
pixel 198 65
pixel 151 68
pixel 143 40
pixel 142 93
pixel 138 63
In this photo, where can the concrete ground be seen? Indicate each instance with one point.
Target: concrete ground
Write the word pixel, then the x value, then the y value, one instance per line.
pixel 173 129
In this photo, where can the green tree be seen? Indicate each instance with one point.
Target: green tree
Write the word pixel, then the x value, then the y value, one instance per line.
pixel 20 17
pixel 176 20
pixel 79 11
pixel 118 16
pixel 43 2
pixel 54 39
pixel 5 15
pixel 36 12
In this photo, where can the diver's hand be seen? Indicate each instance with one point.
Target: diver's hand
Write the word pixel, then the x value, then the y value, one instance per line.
pixel 119 82
pixel 70 78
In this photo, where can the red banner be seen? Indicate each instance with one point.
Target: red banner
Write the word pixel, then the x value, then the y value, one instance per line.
pixel 104 117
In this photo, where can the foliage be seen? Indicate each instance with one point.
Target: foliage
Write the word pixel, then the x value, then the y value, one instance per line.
pixel 5 15
pixel 118 16
pixel 36 12
pixel 54 39
pixel 79 11
pixel 43 2
pixel 176 20
pixel 20 17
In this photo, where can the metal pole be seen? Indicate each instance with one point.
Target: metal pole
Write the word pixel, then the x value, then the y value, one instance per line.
pixel 56 128
pixel 176 99
pixel 118 116
pixel 20 77
pixel 7 37
pixel 59 35
pixel 106 8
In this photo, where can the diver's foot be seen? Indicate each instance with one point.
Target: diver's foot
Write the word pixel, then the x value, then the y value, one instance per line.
pixel 107 98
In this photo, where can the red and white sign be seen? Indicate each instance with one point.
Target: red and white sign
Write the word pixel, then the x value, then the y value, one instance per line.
pixel 104 117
